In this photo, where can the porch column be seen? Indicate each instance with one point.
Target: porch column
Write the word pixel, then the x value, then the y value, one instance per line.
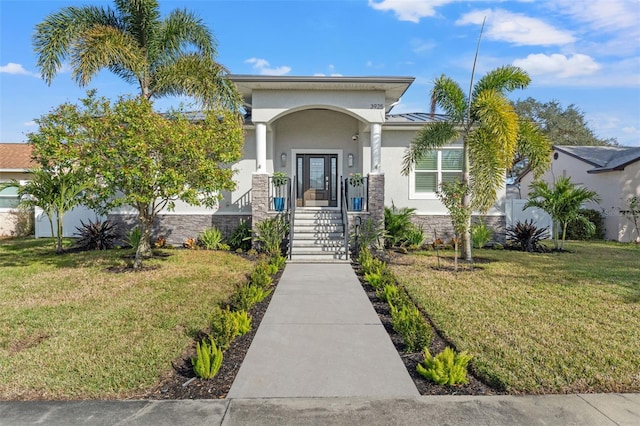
pixel 376 147
pixel 261 147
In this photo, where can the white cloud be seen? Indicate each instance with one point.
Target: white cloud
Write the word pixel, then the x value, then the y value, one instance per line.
pixel 409 10
pixel 17 69
pixel 421 46
pixel 516 28
pixel 29 123
pixel 262 66
pixel 557 65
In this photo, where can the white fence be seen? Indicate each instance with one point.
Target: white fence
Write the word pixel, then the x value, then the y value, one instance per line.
pixel 71 221
pixel 515 212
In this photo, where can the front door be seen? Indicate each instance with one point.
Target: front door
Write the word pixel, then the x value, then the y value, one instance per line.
pixel 317 180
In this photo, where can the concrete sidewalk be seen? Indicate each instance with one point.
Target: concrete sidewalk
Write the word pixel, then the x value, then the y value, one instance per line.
pixel 565 410
pixel 320 337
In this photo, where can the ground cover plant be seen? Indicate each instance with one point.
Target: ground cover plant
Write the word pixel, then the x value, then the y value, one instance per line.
pixel 74 326
pixel 538 322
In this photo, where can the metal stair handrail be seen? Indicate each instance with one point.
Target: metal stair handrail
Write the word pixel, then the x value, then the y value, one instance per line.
pixel 345 218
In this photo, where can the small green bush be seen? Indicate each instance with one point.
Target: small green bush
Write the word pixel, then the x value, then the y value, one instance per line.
pixel 446 368
pixel 133 237
pixel 480 235
pixel 415 237
pixel 240 238
pixel 224 327
pixel 498 246
pixel 397 225
pixel 247 296
pixel 271 233
pixel 409 324
pixel 261 275
pixel 211 238
pixel 527 236
pixel 579 230
pixel 243 321
pixel 393 295
pixel 208 359
pixel 279 262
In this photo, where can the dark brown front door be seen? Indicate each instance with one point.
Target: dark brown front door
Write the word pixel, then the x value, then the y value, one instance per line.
pixel 317 180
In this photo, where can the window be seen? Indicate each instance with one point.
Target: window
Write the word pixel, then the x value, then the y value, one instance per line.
pixel 434 168
pixel 9 198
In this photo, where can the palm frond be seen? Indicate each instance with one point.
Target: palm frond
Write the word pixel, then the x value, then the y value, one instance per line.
pixel 492 146
pixel 105 46
pixel 535 147
pixel 140 19
pixel 179 31
pixel 430 137
pixel 56 35
pixel 448 95
pixel 503 79
pixel 199 77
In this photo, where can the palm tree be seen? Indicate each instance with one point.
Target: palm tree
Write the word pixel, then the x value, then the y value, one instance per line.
pixel 491 133
pixel 56 193
pixel 170 56
pixel 563 203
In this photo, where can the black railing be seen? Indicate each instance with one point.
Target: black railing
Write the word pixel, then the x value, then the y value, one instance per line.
pixel 293 195
pixel 345 218
pixel 357 193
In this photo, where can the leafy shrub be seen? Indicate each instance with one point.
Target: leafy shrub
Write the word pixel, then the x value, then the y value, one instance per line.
pixel 393 295
pixel 397 225
pixel 369 234
pixel 379 278
pixel 480 234
pixel 271 234
pixel 498 246
pixel 527 236
pixel 415 237
pixel 446 368
pixel 240 238
pixel 210 238
pixel 279 262
pixel 578 230
pixel 247 296
pixel 133 237
pixel 261 275
pixel 96 236
pixel 224 327
pixel 23 219
pixel 208 359
pixel 160 242
pixel 243 320
pixel 409 324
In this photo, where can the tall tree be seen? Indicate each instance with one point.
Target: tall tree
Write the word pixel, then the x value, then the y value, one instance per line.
pixel 170 56
pixel 562 126
pixel 491 133
pixel 563 202
pixel 148 161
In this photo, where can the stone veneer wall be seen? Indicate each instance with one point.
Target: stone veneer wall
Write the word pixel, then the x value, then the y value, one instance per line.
pixel 441 225
pixel 259 197
pixel 178 228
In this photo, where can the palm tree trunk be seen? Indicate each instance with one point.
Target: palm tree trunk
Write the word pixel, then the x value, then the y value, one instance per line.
pixel 59 237
pixel 144 247
pixel 466 202
pixel 564 234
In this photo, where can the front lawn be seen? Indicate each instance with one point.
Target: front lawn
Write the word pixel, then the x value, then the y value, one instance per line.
pixel 70 328
pixel 539 323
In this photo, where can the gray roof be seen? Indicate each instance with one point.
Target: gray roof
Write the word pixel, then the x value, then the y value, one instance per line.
pixel 414 118
pixel 603 158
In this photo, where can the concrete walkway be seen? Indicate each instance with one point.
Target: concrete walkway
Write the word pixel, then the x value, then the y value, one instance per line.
pixel 320 337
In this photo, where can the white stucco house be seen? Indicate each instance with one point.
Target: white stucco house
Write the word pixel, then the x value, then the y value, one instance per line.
pixel 612 171
pixel 15 163
pixel 319 131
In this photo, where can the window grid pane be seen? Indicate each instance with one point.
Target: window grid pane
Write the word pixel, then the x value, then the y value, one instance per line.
pixel 452 159
pixel 426 181
pixel 428 162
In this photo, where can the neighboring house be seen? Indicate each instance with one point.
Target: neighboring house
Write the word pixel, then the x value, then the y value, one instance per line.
pixel 319 131
pixel 612 171
pixel 15 162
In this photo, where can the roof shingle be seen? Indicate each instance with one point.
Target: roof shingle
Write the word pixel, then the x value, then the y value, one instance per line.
pixel 15 156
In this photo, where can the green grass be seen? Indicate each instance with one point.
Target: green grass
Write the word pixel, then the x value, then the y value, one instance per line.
pixel 539 323
pixel 72 329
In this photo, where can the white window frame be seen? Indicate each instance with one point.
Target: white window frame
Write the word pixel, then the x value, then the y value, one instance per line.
pixel 413 195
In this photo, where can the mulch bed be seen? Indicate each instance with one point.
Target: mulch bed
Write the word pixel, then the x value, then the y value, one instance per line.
pixel 181 382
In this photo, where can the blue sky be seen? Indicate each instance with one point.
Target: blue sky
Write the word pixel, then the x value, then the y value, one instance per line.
pixel 585 53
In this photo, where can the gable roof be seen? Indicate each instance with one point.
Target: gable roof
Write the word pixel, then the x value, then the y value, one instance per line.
pixel 603 158
pixel 15 157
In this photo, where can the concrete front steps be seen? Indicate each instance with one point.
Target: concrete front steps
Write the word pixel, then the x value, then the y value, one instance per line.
pixel 318 236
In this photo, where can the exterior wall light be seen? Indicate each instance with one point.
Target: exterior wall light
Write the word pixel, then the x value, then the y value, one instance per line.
pixel 283 159
pixel 350 160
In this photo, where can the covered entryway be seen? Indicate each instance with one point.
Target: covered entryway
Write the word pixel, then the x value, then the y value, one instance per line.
pixel 317 180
